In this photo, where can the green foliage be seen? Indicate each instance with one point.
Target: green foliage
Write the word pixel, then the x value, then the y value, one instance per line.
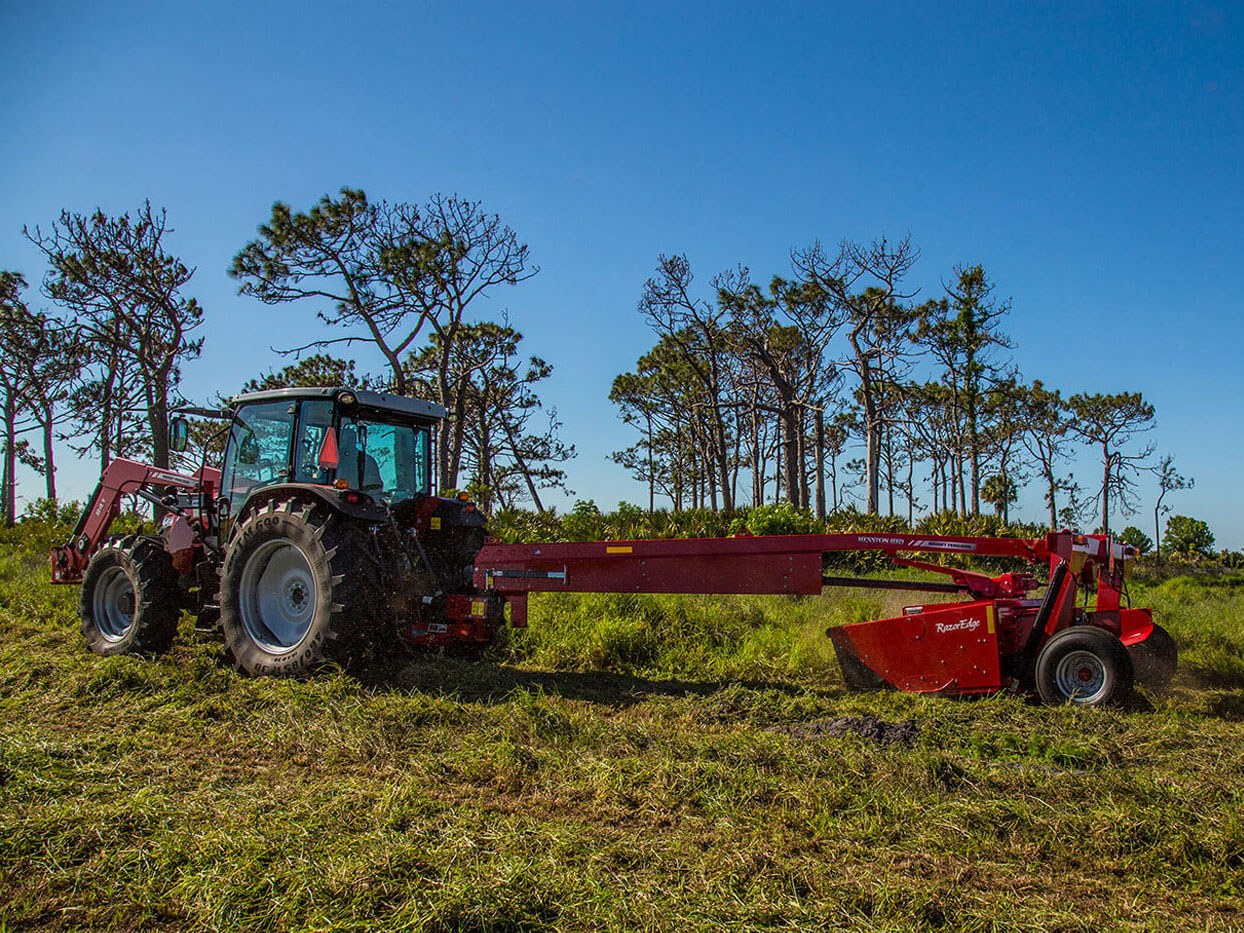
pixel 999 491
pixel 781 518
pixel 1137 539
pixel 1188 537
pixel 630 763
pixel 318 369
pixel 50 512
pixel 584 523
pixel 1233 560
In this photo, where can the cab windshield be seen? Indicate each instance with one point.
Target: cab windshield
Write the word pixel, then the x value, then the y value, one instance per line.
pixel 385 459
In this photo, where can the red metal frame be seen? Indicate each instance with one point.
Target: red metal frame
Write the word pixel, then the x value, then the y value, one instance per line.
pixel 979 646
pixel 121 477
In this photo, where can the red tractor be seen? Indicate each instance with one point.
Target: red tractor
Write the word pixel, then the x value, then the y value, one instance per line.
pixel 319 531
pixel 321 538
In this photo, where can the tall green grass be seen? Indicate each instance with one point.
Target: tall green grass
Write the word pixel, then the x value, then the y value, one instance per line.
pixel 626 763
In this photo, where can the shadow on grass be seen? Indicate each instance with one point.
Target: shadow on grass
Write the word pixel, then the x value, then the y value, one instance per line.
pixel 1226 705
pixel 491 682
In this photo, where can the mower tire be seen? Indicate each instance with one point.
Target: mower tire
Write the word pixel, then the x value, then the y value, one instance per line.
pixel 1154 660
pixel 1084 666
pixel 130 603
pixel 298 588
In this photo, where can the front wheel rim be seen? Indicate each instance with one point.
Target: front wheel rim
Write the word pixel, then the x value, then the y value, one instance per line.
pixel 277 596
pixel 112 605
pixel 1081 676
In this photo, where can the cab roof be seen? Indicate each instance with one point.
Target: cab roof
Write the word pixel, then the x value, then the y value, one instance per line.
pixel 366 399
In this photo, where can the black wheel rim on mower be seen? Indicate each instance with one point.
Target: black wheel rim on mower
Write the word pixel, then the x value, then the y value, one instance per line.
pixel 277 596
pixel 113 604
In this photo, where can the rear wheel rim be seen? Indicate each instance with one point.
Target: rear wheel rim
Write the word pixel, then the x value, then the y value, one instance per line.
pixel 277 596
pixel 1081 676
pixel 112 605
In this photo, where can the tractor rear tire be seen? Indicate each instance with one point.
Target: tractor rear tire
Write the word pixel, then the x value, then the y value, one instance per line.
pixel 130 603
pixel 1084 666
pixel 1154 660
pixel 298 590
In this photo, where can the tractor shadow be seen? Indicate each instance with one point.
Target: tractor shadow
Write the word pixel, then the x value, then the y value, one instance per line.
pixel 487 682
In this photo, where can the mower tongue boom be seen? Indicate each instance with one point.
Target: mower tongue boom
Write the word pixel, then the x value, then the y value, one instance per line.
pixel 990 641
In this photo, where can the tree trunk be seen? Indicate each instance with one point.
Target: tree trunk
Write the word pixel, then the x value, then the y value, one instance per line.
pixel 106 422
pixel 1006 498
pixel 157 418
pixel 483 467
pixel 49 457
pixel 1051 492
pixel 758 466
pixel 889 469
pixel 974 457
pixel 872 430
pixel 522 465
pixel 801 460
pixel 790 454
pixel 652 479
pixel 820 465
pixel 1105 490
pixel 723 466
pixel 777 452
pixel 963 489
pixel 8 477
pixel 911 490
pixel 833 481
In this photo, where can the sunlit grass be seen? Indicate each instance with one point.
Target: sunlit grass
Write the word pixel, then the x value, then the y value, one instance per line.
pixel 626 763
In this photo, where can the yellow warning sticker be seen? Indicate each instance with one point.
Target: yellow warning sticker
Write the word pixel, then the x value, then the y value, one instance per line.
pixel 434 523
pixel 989 619
pixel 619 550
pixel 477 607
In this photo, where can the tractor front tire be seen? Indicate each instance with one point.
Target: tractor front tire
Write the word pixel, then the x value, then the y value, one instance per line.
pixel 129 602
pixel 297 590
pixel 1084 666
pixel 1154 660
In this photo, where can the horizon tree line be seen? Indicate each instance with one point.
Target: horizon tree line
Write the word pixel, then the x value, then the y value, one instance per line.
pixel 751 393
pixel 756 394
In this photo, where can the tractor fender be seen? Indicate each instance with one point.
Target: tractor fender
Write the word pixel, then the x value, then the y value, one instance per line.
pixel 367 510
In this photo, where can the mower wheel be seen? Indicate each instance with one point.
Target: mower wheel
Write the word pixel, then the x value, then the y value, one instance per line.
pixel 1085 666
pixel 1154 660
pixel 298 588
pixel 130 602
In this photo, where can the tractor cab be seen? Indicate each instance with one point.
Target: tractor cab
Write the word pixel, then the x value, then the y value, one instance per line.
pixel 371 446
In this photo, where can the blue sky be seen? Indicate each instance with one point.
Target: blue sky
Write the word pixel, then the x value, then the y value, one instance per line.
pixel 1090 156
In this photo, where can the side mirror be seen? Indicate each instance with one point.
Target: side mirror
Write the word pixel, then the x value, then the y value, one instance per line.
pixel 178 434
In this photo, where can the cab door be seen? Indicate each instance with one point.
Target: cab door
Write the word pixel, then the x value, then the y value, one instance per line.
pixel 257 454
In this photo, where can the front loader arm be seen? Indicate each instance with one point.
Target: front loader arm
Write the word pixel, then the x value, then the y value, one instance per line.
pixel 122 477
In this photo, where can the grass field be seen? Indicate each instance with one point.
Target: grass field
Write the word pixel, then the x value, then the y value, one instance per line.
pixel 627 763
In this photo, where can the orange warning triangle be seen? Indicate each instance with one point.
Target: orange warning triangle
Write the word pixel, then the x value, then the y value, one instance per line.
pixel 329 457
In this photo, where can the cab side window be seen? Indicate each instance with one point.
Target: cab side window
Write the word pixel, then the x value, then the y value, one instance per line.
pixel 315 420
pixel 257 452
